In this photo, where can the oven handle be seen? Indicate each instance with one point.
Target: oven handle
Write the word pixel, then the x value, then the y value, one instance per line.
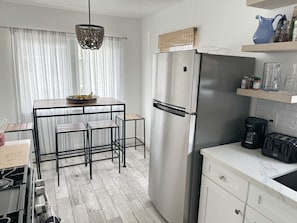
pixel 31 196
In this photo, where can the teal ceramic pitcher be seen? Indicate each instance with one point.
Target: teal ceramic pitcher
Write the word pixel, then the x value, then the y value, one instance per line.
pixel 265 29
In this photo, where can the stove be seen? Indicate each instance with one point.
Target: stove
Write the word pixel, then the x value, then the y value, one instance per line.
pixel 23 199
pixel 16 186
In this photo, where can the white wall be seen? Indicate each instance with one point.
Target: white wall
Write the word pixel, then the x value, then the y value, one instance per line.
pixel 226 24
pixel 14 15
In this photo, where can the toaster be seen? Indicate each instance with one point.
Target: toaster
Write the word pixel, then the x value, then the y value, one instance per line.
pixel 281 147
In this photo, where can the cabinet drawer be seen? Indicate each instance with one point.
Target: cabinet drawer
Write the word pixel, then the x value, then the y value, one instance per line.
pixel 226 179
pixel 270 205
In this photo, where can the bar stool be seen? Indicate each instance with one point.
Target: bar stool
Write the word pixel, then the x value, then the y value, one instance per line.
pixel 135 118
pixel 24 127
pixel 68 129
pixel 114 130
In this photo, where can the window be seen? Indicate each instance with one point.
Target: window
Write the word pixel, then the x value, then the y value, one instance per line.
pixel 51 65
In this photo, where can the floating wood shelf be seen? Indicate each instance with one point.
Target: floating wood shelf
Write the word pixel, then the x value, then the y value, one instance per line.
pixel 271 47
pixel 280 96
pixel 270 4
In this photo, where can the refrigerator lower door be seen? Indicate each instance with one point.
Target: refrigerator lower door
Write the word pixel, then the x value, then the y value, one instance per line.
pixel 170 162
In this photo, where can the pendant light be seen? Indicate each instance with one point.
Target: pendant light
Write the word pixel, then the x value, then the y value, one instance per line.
pixel 89 36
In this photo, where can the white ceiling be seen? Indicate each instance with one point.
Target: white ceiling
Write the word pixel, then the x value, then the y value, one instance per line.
pixel 122 8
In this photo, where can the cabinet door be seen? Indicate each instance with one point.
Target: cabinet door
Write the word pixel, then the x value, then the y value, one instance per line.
pixel 252 216
pixel 217 205
pixel 271 204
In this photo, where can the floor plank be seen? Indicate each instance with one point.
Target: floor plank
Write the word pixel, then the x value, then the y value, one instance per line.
pixel 110 197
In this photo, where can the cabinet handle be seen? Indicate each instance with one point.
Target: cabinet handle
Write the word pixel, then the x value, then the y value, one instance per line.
pixel 222 178
pixel 259 199
pixel 237 211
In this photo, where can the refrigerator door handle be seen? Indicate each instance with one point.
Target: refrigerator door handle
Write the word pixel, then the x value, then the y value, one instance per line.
pixel 169 109
pixel 192 113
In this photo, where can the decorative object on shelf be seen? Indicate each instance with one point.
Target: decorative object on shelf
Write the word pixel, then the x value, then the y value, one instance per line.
pixel 279 28
pixel 247 82
pixel 257 83
pixel 293 25
pixel 271 76
pixel 265 31
pixel 89 36
pixel 284 33
pixel 291 80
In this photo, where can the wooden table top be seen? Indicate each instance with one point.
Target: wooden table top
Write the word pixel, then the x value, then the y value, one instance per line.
pixel 14 153
pixel 63 103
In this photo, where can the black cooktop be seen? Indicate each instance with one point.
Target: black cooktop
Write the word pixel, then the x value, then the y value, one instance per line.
pixel 13 194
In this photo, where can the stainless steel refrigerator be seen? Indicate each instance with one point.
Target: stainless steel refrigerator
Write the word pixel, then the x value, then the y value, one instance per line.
pixel 194 106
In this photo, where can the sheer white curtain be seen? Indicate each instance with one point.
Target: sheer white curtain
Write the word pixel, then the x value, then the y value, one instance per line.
pixel 99 70
pixel 51 65
pixel 42 69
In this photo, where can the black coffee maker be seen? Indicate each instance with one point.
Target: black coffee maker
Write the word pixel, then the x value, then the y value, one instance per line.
pixel 254 134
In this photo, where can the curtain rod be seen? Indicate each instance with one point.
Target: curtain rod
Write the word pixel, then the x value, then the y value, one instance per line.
pixel 7 27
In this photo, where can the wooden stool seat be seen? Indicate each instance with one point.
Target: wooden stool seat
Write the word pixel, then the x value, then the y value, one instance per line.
pixel 130 117
pixel 23 127
pixel 18 127
pixel 134 117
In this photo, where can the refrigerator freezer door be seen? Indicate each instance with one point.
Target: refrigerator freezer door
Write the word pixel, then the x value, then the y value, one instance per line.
pixel 176 78
pixel 170 161
pixel 221 113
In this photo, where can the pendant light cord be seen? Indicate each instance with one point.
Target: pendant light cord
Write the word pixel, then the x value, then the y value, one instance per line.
pixel 89 13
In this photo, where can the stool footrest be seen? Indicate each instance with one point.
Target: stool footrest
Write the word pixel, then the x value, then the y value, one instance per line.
pixel 104 124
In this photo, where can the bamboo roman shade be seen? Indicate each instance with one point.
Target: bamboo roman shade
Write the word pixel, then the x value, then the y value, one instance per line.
pixel 185 37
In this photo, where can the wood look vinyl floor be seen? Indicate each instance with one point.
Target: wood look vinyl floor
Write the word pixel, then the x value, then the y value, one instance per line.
pixel 110 197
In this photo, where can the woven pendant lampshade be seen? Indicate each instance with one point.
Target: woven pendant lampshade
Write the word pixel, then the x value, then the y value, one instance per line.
pixel 89 36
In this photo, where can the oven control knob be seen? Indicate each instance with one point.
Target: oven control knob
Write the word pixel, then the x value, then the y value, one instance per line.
pixel 40 191
pixel 39 183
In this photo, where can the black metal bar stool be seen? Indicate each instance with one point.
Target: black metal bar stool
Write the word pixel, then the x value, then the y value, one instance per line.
pixel 24 127
pixel 71 128
pixel 135 118
pixel 114 131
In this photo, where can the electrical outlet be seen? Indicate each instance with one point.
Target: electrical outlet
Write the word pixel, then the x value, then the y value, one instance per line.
pixel 272 119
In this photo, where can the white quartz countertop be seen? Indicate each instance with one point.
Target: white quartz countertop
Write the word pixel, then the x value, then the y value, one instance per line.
pixel 254 167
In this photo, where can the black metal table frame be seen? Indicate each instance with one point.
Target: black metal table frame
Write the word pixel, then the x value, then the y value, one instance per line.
pixel 83 107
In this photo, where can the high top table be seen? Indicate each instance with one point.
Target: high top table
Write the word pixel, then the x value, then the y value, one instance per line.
pixel 42 108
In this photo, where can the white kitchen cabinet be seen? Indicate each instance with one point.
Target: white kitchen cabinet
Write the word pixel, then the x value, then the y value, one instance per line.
pixel 218 205
pixel 240 181
pixel 252 216
pixel 271 204
pixel 223 195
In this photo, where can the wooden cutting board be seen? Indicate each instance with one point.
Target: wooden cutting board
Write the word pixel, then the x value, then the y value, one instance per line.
pixel 14 153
